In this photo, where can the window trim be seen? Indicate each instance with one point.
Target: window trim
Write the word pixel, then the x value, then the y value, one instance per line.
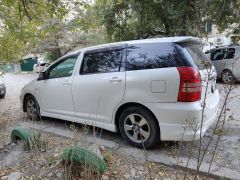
pixel 59 62
pixel 105 49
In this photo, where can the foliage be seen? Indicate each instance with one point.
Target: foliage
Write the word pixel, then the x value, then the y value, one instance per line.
pixel 135 19
pixel 226 15
pixel 55 27
pixel 42 26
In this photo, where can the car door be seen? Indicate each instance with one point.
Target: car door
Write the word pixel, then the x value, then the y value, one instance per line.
pixel 99 87
pixel 55 91
pixel 229 59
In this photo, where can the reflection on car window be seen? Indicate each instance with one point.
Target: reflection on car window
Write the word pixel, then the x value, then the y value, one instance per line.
pixel 151 56
pixel 218 54
pixel 63 69
pixel 221 54
pixel 102 62
pixel 230 53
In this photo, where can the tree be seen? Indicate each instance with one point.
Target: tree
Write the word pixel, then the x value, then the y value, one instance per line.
pixel 226 15
pixel 134 19
pixel 51 28
pixel 21 22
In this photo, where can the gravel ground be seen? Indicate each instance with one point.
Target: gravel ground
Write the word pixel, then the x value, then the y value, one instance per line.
pixel 128 161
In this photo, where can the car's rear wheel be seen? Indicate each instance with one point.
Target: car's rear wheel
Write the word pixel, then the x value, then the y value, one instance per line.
pixel 139 127
pixel 32 108
pixel 227 77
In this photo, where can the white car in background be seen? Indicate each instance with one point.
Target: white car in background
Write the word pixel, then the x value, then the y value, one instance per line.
pixel 227 62
pixel 40 67
pixel 148 90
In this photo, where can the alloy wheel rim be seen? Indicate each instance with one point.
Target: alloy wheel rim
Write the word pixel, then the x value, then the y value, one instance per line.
pixel 136 128
pixel 227 77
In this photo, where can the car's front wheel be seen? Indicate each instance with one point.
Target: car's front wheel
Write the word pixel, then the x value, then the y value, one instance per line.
pixel 2 96
pixel 32 108
pixel 139 127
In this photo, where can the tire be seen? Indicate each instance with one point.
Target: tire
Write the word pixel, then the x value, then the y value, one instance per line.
pixel 2 96
pixel 20 133
pixel 139 127
pixel 84 157
pixel 227 77
pixel 32 108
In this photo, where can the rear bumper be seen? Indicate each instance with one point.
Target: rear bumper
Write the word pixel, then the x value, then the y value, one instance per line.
pixel 182 121
pixel 185 132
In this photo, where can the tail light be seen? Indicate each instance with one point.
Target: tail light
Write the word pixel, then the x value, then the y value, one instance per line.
pixel 190 84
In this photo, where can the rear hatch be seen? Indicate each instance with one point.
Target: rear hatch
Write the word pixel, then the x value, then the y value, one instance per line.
pixel 196 58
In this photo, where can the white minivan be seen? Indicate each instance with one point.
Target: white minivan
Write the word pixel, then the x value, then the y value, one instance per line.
pixel 148 90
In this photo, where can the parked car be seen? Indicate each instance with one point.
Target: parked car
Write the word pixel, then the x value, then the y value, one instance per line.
pixel 40 67
pixel 227 62
pixel 148 90
pixel 2 89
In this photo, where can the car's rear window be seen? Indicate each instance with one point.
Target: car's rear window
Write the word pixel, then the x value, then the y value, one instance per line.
pixel 195 55
pixel 152 56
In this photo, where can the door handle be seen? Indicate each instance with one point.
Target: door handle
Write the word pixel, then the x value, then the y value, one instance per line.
pixel 115 79
pixel 66 83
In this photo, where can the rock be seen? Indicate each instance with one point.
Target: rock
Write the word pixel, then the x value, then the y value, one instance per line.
pixel 115 172
pixel 4 178
pixel 127 176
pixel 105 177
pixel 15 156
pixel 95 149
pixel 103 148
pixel 140 168
pixel 166 178
pixel 133 172
pixel 82 174
pixel 59 175
pixel 14 176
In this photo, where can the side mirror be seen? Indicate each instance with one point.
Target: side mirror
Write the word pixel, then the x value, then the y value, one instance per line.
pixel 42 76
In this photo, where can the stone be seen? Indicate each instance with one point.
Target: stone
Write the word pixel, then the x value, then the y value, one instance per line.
pixel 15 156
pixel 105 177
pixel 4 178
pixel 59 175
pixel 127 176
pixel 115 172
pixel 14 176
pixel 133 172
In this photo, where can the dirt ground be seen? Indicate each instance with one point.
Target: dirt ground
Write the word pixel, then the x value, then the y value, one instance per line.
pixel 124 162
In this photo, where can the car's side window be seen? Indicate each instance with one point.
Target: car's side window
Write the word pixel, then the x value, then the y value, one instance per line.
pixel 230 53
pixel 218 54
pixel 101 61
pixel 64 68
